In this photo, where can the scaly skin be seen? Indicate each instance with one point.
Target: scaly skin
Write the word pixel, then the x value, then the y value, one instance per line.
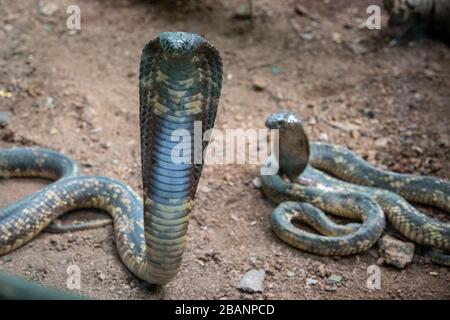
pixel 388 189
pixel 179 83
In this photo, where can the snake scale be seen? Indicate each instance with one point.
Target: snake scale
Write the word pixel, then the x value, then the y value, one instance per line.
pixel 179 83
pixel 367 194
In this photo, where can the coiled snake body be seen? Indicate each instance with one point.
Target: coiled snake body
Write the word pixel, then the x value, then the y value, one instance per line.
pixel 368 195
pixel 180 83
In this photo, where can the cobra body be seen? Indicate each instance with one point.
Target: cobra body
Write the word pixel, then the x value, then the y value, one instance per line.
pixel 389 190
pixel 179 83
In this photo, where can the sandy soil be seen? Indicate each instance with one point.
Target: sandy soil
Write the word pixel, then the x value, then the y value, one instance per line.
pixel 78 94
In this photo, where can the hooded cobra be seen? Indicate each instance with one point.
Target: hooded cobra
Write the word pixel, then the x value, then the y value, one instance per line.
pixel 179 85
pixel 368 193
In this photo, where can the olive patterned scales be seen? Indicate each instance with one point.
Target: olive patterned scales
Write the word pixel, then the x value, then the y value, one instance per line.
pixel 368 194
pixel 179 83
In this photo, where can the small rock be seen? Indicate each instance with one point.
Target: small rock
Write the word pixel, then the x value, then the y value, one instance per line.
pixel 323 136
pixel 322 271
pixel 357 48
pixel 276 70
pixel 335 279
pixel 290 274
pixel 4 119
pixel 429 73
pixel 48 103
pixel 330 288
pixel 101 276
pixel 134 283
pixel 396 252
pixel 243 12
pixel 433 273
pixel 311 282
pixel 443 141
pixel 312 120
pixel 337 37
pixel 253 281
pixel 381 142
pixel 257 183
pixel 253 261
pixel 301 10
pixel 106 145
pixel 259 83
pixel 418 97
pixel 371 156
pixel 205 189
pixel 47 8
pixel 355 134
pixel 308 36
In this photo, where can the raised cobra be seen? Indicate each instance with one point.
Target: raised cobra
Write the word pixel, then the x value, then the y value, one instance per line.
pixel 179 84
pixel 368 192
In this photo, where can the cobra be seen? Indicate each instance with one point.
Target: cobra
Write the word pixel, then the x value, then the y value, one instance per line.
pixel 179 83
pixel 367 194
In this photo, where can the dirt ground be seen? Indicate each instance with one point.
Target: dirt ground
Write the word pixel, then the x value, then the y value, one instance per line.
pixel 78 94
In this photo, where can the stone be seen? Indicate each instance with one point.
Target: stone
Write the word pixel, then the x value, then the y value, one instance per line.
pixel 253 281
pixel 243 12
pixel 334 279
pixel 307 36
pixel 259 83
pixel 49 102
pixel 311 282
pixel 4 119
pixel 101 276
pixel 357 49
pixel 47 8
pixel 396 252
pixel 257 183
pixel 323 136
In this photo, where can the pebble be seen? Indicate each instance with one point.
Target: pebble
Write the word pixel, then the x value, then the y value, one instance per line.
pixel 357 48
pixel 323 136
pixel 335 279
pixel 4 119
pixel 47 8
pixel 253 281
pixel 49 102
pixel 257 183
pixel 312 120
pixel 355 134
pixel 259 83
pixel 290 274
pixel 429 73
pixel 311 282
pixel 243 12
pixel 395 252
pixel 330 289
pixel 307 36
pixel 322 271
pixel 101 276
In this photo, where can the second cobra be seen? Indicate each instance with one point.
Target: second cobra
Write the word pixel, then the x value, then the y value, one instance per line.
pixel 368 194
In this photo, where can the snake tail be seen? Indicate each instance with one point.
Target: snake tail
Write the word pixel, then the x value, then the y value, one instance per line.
pixel 180 84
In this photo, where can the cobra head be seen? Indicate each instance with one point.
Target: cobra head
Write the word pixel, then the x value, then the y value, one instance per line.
pixel 179 44
pixel 293 144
